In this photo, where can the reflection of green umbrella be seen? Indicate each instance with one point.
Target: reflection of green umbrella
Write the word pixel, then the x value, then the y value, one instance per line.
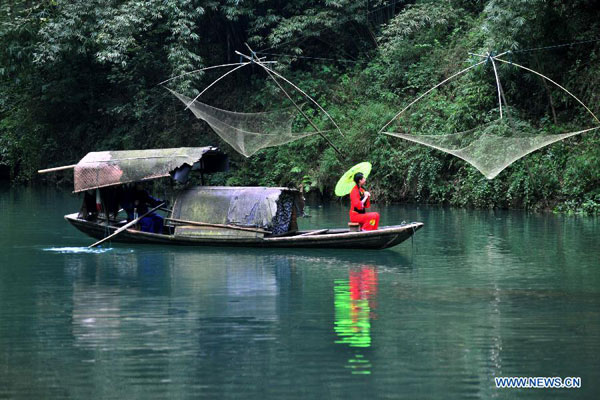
pixel 346 182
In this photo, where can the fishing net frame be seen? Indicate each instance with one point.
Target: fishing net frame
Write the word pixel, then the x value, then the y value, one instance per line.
pixel 489 154
pixel 248 133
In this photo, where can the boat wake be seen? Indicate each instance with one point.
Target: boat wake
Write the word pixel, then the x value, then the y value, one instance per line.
pixel 78 250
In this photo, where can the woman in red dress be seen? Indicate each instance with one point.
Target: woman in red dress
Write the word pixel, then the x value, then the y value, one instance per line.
pixel 359 202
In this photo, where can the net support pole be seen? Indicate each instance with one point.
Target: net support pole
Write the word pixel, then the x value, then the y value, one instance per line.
pixel 429 91
pixel 497 84
pixel 304 114
pixel 545 77
pixel 268 71
pixel 295 87
pixel 217 80
pixel 206 69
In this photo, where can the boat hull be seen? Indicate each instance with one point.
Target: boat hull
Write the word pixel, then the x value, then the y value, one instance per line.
pixel 382 238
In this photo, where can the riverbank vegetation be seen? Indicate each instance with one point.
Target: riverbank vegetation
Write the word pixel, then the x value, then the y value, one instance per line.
pixel 79 76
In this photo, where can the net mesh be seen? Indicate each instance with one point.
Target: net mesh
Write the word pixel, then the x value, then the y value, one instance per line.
pixel 490 148
pixel 247 133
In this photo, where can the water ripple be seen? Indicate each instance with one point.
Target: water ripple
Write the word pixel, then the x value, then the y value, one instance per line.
pixel 79 250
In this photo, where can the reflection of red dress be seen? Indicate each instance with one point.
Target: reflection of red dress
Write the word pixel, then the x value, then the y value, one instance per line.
pixel 368 221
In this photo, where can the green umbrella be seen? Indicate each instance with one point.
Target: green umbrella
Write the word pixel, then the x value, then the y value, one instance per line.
pixel 346 182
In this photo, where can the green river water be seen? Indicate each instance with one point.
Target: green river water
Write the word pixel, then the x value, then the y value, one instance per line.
pixel 476 295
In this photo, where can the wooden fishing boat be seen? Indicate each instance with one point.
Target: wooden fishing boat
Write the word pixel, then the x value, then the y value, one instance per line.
pixel 210 215
pixel 382 238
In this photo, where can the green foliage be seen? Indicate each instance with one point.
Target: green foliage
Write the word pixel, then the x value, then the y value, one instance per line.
pixel 77 76
pixel 427 19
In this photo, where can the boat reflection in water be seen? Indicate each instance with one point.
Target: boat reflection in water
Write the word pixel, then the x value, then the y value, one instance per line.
pixel 355 302
pixel 173 316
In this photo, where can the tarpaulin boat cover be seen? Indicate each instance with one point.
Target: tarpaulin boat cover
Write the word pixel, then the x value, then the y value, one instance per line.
pixel 109 168
pixel 273 209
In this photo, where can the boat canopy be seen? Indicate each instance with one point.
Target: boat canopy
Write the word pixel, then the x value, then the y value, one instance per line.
pixel 110 168
pixel 271 208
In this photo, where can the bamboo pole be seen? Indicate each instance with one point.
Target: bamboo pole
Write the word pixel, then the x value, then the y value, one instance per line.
pixel 545 77
pixel 234 227
pixel 311 233
pixel 497 84
pixel 269 72
pixel 43 171
pixel 204 69
pixel 217 80
pixel 429 91
pixel 303 113
pixel 297 88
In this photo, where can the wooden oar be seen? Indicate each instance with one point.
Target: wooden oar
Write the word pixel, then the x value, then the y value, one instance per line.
pixel 121 229
pixel 239 228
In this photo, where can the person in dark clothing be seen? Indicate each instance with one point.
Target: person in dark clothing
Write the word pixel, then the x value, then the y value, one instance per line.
pixel 111 197
pixel 88 209
pixel 136 201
